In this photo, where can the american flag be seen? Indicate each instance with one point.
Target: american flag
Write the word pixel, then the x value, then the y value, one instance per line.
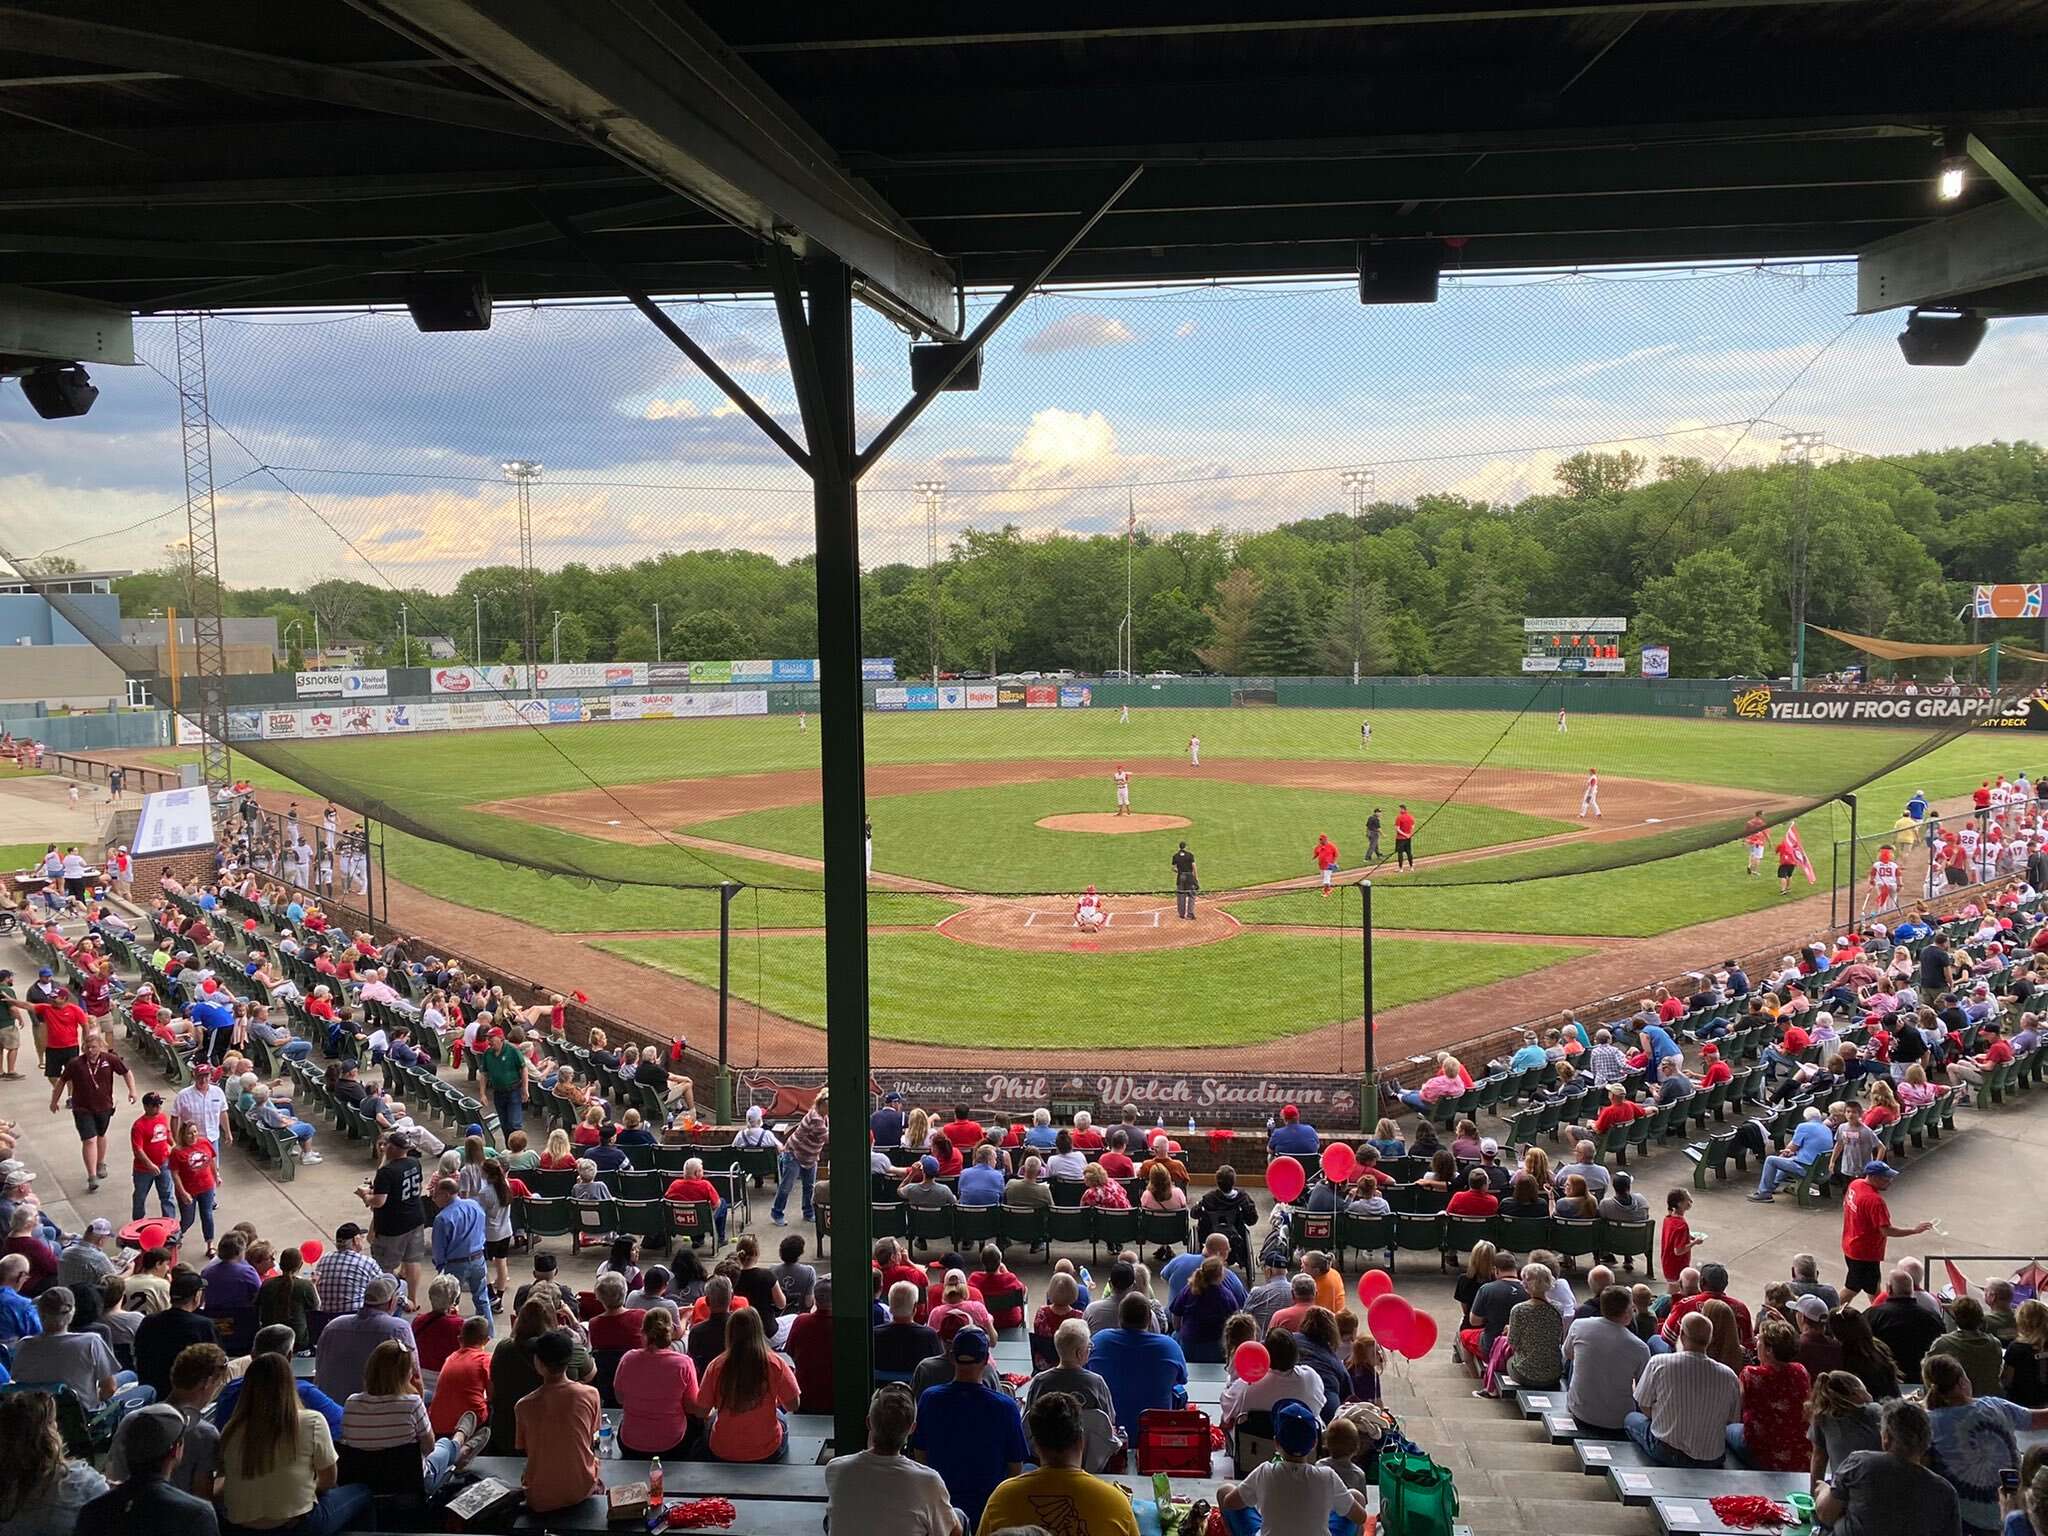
pixel 1799 851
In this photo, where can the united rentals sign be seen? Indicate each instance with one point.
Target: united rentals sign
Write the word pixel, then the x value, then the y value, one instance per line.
pixel 1902 710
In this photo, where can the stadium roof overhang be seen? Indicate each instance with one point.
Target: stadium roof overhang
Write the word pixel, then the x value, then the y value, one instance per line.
pixel 320 153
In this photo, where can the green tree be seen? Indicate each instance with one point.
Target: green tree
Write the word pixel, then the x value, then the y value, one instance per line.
pixel 1482 636
pixel 1282 641
pixel 1709 610
pixel 1588 476
pixel 1230 619
pixel 635 642
pixel 1360 631
pixel 1171 633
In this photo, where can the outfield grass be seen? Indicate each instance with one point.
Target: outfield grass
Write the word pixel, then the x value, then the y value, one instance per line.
pixel 987 838
pixel 18 856
pixel 930 988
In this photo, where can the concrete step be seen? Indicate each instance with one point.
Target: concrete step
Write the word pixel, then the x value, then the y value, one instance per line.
pixel 1572 1486
pixel 1491 1515
pixel 1477 1455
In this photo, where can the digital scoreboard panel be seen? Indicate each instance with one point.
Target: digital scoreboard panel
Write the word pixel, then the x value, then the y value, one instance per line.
pixel 1573 645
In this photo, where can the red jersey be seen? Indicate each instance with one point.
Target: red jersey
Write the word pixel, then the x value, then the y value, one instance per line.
pixel 693 1190
pixel 1087 1139
pixel 1674 1246
pixel 1671 1009
pixel 1472 1202
pixel 1617 1114
pixel 61 1024
pixel 1864 1219
pixel 1404 824
pixel 1981 797
pixel 150 1137
pixel 1717 1072
pixel 1117 1166
pixel 193 1166
pixel 1325 854
pixel 964 1134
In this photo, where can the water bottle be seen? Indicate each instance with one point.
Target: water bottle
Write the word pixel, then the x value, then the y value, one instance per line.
pixel 1191 1125
pixel 607 1444
pixel 654 1484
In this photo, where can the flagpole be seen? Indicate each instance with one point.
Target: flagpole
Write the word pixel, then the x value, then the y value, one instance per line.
pixel 1130 658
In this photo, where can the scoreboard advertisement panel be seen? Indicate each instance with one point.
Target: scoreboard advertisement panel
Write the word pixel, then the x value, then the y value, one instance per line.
pixel 1573 645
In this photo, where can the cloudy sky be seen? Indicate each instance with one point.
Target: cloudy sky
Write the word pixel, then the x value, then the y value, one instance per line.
pixel 351 445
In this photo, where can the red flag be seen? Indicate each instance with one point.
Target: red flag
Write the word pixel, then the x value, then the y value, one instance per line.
pixel 1799 852
pixel 1959 1283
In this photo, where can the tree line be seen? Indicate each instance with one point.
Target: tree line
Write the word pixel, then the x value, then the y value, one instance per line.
pixel 1699 559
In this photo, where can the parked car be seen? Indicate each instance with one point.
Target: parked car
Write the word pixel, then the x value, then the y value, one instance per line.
pixel 1116 675
pixel 1162 676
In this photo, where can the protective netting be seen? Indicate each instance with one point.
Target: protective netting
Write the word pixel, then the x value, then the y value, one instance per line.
pixel 1315 532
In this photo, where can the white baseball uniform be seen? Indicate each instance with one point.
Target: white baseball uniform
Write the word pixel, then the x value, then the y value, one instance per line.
pixel 1123 715
pixel 1589 802
pixel 1560 722
pixel 1194 751
pixel 1123 789
pixel 1089 916
pixel 1884 886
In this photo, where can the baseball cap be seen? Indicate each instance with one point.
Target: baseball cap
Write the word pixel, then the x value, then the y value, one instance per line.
pixel 99 1226
pixel 347 1232
pixel 1812 1308
pixel 1296 1427
pixel 1488 1147
pixel 12 1172
pixel 930 1166
pixel 892 1098
pixel 185 1285
pixel 1877 1168
pixel 45 971
pixel 971 1345
pixel 149 1434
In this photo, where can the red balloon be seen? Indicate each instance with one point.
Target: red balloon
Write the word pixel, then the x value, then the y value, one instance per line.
pixel 1339 1162
pixel 310 1250
pixel 1286 1179
pixel 1251 1362
pixel 1421 1337
pixel 1389 1318
pixel 1372 1285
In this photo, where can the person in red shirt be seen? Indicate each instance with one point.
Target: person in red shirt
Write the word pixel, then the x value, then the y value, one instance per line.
pixel 809 1348
pixel 1404 838
pixel 1475 1199
pixel 1713 1287
pixel 464 1385
pixel 1325 856
pixel 1866 1223
pixel 1714 1070
pixel 89 1076
pixel 1675 1243
pixel 321 1004
pixel 1086 1136
pixel 1966 1075
pixel 150 1139
pixel 1670 1009
pixel 1980 797
pixel 1114 1161
pixel 1619 1110
pixel 1772 1436
pixel 892 1265
pixel 1000 1290
pixel 192 1163
pixel 963 1130
pixel 63 1021
pixel 692 1186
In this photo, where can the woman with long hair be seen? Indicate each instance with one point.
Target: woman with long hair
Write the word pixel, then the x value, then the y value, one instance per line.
pixel 1363 1358
pixel 1386 1140
pixel 493 1192
pixel 514 1371
pixel 1577 1202
pixel 1478 1271
pixel 278 1460
pixel 557 1153
pixel 1201 1309
pixel 1841 1420
pixel 1864 1355
pixel 1161 1193
pixel 1726 1345
pixel 1443 1172
pixel 1536 1163
pixel 656 1386
pixel 1883 1108
pixel 1321 1344
pixel 2024 1377
pixel 389 1414
pixel 917 1130
pixel 41 1489
pixel 748 1389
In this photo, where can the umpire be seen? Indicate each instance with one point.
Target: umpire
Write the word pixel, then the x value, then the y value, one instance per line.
pixel 1184 884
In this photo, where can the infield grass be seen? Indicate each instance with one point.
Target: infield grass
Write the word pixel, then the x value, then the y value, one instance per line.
pixel 932 989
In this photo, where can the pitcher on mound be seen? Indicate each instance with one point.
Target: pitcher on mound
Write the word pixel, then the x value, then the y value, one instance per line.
pixel 1123 790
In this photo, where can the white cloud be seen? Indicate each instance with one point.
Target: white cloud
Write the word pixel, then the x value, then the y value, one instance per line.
pixel 1184 330
pixel 1060 445
pixel 1080 332
pixel 723 409
pixel 670 410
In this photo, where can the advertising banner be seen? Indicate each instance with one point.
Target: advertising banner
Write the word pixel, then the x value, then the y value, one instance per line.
pixel 594 674
pixel 1656 661
pixel 749 701
pixel 599 708
pixel 668 674
pixel 358 720
pixel 321 722
pixel 981 696
pixel 334 685
pixel 628 706
pixel 1076 698
pixel 396 717
pixel 752 671
pixel 1239 1099
pixel 796 672
pixel 1903 710
pixel 1010 696
pixel 921 696
pixel 2007 600
pixel 1041 696
pixel 281 725
pixel 878 669
pixel 479 680
pixel 892 699
pixel 172 819
pixel 245 725
pixel 530 711
pixel 433 717
pixel 658 706
pixel 565 711
pixel 702 672
pixel 469 715
pixel 952 696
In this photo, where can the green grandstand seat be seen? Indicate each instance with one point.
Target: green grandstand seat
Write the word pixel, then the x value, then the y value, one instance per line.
pixel 540 1217
pixel 1366 1234
pixel 1415 1232
pixel 974 1225
pixel 1061 1225
pixel 1169 1229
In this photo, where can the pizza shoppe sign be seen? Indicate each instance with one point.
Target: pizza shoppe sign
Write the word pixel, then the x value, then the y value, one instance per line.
pixel 1221 1099
pixel 1893 709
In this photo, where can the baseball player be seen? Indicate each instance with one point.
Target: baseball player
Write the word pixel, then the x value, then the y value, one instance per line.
pixel 867 833
pixel 1123 790
pixel 803 721
pixel 1885 876
pixel 1325 855
pixel 1756 834
pixel 1365 734
pixel 1589 802
pixel 1089 914
pixel 1123 715
pixel 1372 836
pixel 1194 751
pixel 1560 722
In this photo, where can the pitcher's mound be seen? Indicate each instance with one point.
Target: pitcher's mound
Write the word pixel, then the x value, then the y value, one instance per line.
pixel 1107 821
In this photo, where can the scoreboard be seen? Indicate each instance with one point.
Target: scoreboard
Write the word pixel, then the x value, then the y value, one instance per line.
pixel 1573 645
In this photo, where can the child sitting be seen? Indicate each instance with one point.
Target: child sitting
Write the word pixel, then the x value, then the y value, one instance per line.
pixel 1295 1496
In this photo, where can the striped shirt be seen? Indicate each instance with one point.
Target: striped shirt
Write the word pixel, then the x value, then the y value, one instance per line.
pixel 807 1141
pixel 371 1422
pixel 1691 1399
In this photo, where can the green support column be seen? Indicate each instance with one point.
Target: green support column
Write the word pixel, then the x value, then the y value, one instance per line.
pixel 1992 682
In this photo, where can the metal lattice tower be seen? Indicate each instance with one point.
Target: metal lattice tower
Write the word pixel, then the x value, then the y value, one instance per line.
pixel 933 492
pixel 1800 448
pixel 522 473
pixel 202 536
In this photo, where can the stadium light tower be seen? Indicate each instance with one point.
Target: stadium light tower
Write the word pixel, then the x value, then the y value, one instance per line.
pixel 1359 485
pixel 933 492
pixel 1799 448
pixel 522 473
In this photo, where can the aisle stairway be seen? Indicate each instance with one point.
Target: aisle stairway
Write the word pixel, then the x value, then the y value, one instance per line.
pixel 1511 1480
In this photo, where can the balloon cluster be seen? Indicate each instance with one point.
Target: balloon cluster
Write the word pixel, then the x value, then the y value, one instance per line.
pixel 1393 1320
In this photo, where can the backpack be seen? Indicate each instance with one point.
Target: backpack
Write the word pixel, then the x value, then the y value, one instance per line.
pixel 1417 1496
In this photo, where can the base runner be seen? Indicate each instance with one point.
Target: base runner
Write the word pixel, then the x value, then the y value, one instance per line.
pixel 1123 790
pixel 1325 855
pixel 1589 802
pixel 1757 834
pixel 1885 877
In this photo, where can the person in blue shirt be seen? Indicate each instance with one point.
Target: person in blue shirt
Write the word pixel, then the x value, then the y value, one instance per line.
pixel 18 1316
pixel 1144 1369
pixel 218 1020
pixel 1529 1057
pixel 1812 1138
pixel 982 1182
pixel 277 1339
pixel 1917 806
pixel 459 1243
pixel 1658 1042
pixel 295 912
pixel 968 1432
pixel 1040 1135
pixel 1737 981
pixel 1293 1136
pixel 1912 929
pixel 887 1122
pixel 1181 1269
